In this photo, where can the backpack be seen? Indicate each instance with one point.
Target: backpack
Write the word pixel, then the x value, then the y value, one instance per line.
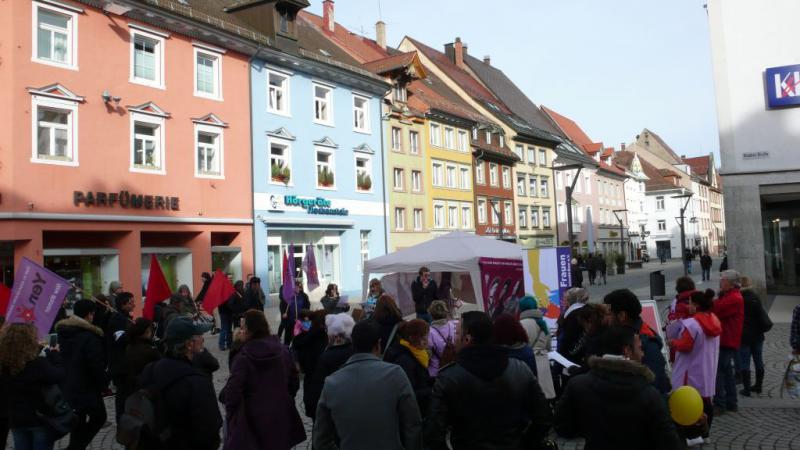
pixel 448 355
pixel 56 415
pixel 144 425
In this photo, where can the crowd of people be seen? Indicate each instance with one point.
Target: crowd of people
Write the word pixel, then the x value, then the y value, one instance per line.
pixel 376 380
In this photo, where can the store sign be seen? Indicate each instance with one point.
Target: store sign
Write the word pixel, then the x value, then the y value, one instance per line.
pixel 783 86
pixel 496 230
pixel 125 199
pixel 318 205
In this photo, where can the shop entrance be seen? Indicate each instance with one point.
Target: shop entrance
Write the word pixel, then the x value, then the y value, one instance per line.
pixel 781 226
pixel 664 249
pixel 327 254
pixel 7 263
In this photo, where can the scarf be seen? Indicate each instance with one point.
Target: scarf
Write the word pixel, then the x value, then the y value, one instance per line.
pixel 420 355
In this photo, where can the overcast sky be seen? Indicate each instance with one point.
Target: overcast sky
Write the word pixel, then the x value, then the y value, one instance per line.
pixel 614 66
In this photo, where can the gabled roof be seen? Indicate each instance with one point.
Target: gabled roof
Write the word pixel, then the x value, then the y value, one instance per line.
pixel 656 180
pixel 611 168
pixel 432 94
pixel 673 157
pixel 356 46
pixel 314 39
pixel 392 63
pixel 593 148
pixel 699 165
pixel 571 130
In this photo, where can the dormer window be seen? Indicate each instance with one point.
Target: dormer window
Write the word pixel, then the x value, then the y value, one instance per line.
pixel 285 20
pixel 399 93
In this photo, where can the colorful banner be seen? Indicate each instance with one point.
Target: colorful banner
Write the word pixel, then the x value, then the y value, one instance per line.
pixel 36 297
pixel 502 285
pixel 547 277
pixel 310 268
pixel 564 258
pixel 287 289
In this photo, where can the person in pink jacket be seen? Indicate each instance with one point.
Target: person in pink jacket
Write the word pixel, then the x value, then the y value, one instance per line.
pixel 695 341
pixel 443 330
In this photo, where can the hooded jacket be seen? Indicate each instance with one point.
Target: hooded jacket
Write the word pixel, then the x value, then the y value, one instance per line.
pixel 190 403
pixel 423 296
pixel 487 400
pixel 83 350
pixel 729 308
pixel 615 406
pixel 696 344
pixel 259 401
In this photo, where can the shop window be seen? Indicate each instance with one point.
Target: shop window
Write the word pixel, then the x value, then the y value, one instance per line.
pixel 323 104
pixel 364 173
pixel 325 170
pixel 91 270
pixel 280 162
pixel 176 265
pixel 210 154
pixel 55 131
pixel 208 74
pixel 278 93
pixel 147 59
pixel 361 114
pixel 148 147
pixel 228 260
pixel 55 36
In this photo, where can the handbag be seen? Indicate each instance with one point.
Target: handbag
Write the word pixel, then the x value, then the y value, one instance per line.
pixel 791 378
pixel 57 414
pixel 765 323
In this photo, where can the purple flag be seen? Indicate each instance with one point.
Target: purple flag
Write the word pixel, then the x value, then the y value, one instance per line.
pixel 310 268
pixel 288 275
pixel 36 297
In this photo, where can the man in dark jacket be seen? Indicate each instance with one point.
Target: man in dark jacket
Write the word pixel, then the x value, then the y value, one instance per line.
pixel 192 414
pixel 254 296
pixel 423 291
pixel 116 342
pixel 626 311
pixel 729 308
pixel 486 399
pixel 591 268
pixel 615 405
pixel 82 348
pixel 705 265
pixel 602 267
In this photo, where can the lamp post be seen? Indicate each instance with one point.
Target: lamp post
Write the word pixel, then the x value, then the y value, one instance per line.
pixel 498 212
pixel 683 231
pixel 621 230
pixel 569 189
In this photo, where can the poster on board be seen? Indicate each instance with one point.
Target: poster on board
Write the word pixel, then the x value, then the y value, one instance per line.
pixel 547 277
pixel 502 285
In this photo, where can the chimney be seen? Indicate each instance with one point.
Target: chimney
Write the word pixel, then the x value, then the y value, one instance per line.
pixel 487 60
pixel 380 34
pixel 622 147
pixel 327 15
pixel 459 53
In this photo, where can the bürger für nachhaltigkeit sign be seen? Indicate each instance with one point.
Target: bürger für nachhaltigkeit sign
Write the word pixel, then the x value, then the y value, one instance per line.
pixel 318 205
pixel 783 86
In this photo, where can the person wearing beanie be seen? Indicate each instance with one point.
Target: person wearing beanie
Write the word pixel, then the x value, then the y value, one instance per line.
pixel 339 328
pixel 539 338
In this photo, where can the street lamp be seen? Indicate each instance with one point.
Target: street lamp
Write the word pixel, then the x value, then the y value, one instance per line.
pixel 621 228
pixel 683 231
pixel 570 188
pixel 500 213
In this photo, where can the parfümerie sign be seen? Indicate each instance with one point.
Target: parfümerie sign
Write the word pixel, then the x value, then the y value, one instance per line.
pixel 125 199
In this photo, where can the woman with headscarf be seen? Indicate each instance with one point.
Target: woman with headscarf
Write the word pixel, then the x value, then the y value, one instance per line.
pixel 532 321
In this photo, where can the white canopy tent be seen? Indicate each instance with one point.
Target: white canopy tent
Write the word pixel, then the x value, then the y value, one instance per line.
pixel 452 252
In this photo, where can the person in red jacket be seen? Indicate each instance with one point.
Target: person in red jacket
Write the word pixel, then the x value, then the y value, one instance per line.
pixel 679 310
pixel 729 308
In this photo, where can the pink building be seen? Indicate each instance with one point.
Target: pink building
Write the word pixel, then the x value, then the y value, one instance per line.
pixel 123 139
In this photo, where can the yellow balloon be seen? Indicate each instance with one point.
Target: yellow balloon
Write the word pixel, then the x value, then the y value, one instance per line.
pixel 685 405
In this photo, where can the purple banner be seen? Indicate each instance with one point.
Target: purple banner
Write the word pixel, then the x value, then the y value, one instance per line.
pixel 564 274
pixel 36 297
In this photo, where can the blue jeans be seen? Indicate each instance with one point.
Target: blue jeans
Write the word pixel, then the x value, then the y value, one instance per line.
pixel 726 380
pixel 426 316
pixel 33 438
pixel 756 352
pixel 225 332
pixel 706 274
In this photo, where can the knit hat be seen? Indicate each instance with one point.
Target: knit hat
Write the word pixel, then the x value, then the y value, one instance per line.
pixel 528 302
pixel 339 325
pixel 181 329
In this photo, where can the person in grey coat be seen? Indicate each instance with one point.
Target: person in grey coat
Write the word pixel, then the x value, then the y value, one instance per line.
pixel 365 383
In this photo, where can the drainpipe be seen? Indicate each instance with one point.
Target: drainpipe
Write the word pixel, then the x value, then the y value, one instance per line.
pixel 383 190
pixel 252 158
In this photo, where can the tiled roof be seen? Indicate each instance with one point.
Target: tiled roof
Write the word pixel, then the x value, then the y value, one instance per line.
pixel 667 148
pixel 612 169
pixel 623 159
pixel 656 181
pixel 593 148
pixel 571 130
pixel 432 94
pixel 312 39
pixel 390 63
pixel 607 153
pixel 358 47
pixel 699 165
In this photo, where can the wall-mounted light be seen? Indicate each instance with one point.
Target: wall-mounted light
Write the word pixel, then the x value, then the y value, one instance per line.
pixel 107 97
pixel 116 8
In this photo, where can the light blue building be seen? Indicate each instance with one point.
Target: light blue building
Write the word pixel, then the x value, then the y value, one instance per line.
pixel 318 163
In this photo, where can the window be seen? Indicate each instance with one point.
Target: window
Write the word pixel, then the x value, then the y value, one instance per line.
pixel 416 181
pixel 466 216
pixel 438 215
pixel 508 212
pixel 662 225
pixel 210 154
pixel 578 183
pixel 323 104
pixel 361 114
pixel 560 212
pixel 521 185
pixel 462 141
pixel 399 219
pixel 544 192
pixel 207 74
pixel 488 137
pixel 438 175
pixel 326 177
pixel 413 140
pixel 417 220
pixel 399 179
pixel 559 181
pixel 147 54
pixel 397 139
pixel 449 142
pixel 534 217
pixel 493 174
pixel 148 148
pixel 55 36
pixel 54 131
pixel 531 155
pixel 436 135
pixel 502 141
pixel 452 216
pixel 587 180
pixel 660 203
pixel 506 178
pixel 399 93
pixel 542 157
pixel 522 221
pixel 475 134
pixel 479 176
pixel 518 150
pixel 546 217
pixel 278 93
pixel 495 212
pixel 451 177
pixel 534 186
pixel 568 179
pixel 465 177
pixel 364 173
pixel 481 210
pixel 280 163
pixel 364 247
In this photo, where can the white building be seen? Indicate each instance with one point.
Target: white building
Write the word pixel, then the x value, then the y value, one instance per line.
pixel 757 84
pixel 635 201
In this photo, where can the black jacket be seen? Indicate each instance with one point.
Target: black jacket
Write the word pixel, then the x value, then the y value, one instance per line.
pixel 615 406
pixel 423 296
pixel 756 320
pixel 116 341
pixel 570 338
pixel 307 348
pixel 417 374
pixel 206 363
pixel 139 353
pixel 387 325
pixel 705 262
pixel 24 390
pixel 82 347
pixel 190 401
pixel 329 361
pixel 653 358
pixel 253 300
pixel 237 305
pixel 488 401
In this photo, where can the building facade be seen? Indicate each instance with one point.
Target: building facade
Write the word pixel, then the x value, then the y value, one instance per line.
pixel 125 138
pixel 635 203
pixel 494 187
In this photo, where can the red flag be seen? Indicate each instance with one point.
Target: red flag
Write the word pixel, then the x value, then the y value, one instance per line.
pixel 157 289
pixel 5 295
pixel 218 291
